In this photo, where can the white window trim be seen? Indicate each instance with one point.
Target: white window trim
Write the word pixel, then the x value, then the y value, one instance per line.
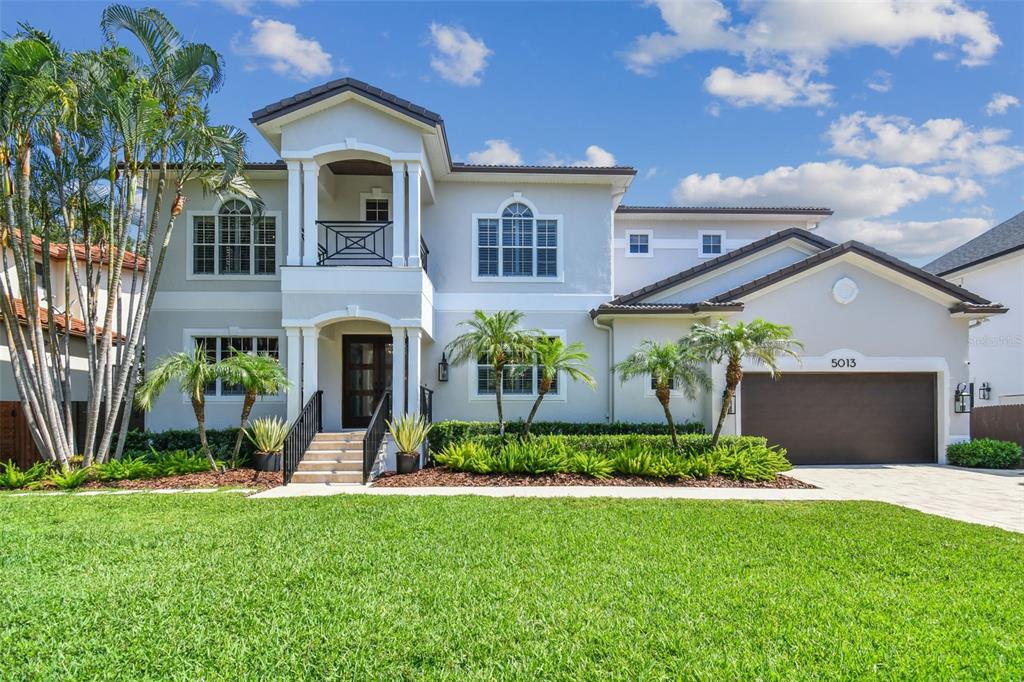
pixel 560 397
pixel 377 194
pixel 700 243
pixel 517 198
pixel 650 392
pixel 650 244
pixel 189 252
pixel 188 343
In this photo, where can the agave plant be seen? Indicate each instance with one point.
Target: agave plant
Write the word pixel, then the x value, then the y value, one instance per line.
pixel 267 434
pixel 410 432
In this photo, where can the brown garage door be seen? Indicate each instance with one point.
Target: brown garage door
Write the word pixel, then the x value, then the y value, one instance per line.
pixel 843 418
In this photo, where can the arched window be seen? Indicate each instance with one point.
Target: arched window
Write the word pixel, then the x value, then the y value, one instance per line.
pixel 517 244
pixel 233 242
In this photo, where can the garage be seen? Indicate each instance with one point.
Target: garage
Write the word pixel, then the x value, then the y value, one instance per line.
pixel 848 418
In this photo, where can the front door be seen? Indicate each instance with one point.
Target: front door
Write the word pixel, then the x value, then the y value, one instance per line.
pixel 366 362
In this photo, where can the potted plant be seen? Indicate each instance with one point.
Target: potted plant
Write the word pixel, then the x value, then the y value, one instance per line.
pixel 410 432
pixel 267 435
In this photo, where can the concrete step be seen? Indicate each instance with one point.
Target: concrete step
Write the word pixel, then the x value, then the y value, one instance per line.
pixel 347 446
pixel 331 465
pixel 340 435
pixel 332 477
pixel 333 455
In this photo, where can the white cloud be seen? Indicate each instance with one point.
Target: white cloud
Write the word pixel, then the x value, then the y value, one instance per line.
pixel 498 153
pixel 289 52
pixel 860 196
pixel 244 7
pixel 592 156
pixel 1001 103
pixel 943 144
pixel 458 57
pixel 766 88
pixel 880 81
pixel 651 172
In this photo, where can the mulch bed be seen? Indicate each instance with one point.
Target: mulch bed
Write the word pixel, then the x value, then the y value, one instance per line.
pixel 239 478
pixel 443 476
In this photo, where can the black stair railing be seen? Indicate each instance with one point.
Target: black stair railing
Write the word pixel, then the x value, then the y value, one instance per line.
pixel 301 434
pixel 375 432
pixel 424 254
pixel 352 242
pixel 427 410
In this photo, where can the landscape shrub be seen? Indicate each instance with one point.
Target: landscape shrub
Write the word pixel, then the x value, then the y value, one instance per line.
pixel 179 462
pixel 465 456
pixel 445 432
pixel 591 464
pixel 222 442
pixel 748 462
pixel 127 469
pixel 12 477
pixel 985 453
pixel 689 444
pixel 69 479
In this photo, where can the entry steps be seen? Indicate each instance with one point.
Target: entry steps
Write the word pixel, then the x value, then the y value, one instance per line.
pixel 333 458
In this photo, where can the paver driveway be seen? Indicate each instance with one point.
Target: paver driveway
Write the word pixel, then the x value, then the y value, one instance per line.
pixel 989 497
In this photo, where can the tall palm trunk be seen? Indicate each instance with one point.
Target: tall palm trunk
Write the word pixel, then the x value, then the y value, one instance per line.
pixel 733 376
pixel 664 394
pixel 250 400
pixel 542 390
pixel 200 409
pixel 500 380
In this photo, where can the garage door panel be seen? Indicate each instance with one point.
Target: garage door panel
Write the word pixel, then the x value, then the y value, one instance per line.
pixel 844 418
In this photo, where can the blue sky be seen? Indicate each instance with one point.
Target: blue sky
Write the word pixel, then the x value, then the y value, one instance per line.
pixel 904 118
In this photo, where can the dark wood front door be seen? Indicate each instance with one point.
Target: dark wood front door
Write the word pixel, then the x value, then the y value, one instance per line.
pixel 843 418
pixel 366 362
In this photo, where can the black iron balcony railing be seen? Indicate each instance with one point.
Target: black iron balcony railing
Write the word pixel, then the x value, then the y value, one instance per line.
pixel 424 254
pixel 352 242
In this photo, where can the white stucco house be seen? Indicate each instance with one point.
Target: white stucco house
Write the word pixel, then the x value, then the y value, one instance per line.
pixel 993 265
pixel 374 246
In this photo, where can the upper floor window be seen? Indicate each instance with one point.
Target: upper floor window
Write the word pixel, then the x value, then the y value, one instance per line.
pixel 234 242
pixel 376 207
pixel 638 243
pixel 711 243
pixel 517 244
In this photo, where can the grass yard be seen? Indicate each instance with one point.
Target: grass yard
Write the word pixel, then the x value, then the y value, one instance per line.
pixel 220 587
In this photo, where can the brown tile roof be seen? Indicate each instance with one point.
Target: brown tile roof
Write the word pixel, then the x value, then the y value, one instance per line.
pixel 763 210
pixel 460 167
pixel 59 251
pixel 76 326
pixel 664 308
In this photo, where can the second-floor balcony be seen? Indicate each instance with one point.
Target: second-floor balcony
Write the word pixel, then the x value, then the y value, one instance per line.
pixel 359 243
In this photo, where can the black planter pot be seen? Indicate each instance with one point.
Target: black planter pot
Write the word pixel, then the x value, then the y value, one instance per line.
pixel 266 461
pixel 408 464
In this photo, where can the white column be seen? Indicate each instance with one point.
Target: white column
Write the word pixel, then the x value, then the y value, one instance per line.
pixel 294 352
pixel 310 353
pixel 414 169
pixel 294 213
pixel 398 213
pixel 415 336
pixel 398 371
pixel 310 184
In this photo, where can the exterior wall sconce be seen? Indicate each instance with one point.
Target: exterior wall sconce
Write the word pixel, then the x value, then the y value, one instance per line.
pixel 985 391
pixel 732 405
pixel 442 369
pixel 963 399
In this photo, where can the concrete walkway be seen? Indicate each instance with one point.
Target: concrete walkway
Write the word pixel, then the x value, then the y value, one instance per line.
pixel 991 498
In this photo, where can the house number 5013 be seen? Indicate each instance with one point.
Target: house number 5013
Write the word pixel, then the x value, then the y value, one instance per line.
pixel 844 363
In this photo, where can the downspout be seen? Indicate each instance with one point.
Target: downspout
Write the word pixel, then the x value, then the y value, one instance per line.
pixel 611 365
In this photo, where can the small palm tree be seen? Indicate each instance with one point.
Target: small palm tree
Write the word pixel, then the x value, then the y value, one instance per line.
pixel 193 372
pixel 497 338
pixel 258 375
pixel 553 356
pixel 761 341
pixel 671 366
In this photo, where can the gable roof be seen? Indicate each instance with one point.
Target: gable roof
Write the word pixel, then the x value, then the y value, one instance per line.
pixel 726 258
pixel 665 308
pixel 968 300
pixel 1004 238
pixel 61 320
pixel 734 210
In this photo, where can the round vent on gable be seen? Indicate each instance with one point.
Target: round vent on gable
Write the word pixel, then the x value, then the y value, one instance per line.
pixel 845 290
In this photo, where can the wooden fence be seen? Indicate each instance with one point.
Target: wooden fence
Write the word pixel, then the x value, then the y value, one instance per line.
pixel 1002 422
pixel 16 440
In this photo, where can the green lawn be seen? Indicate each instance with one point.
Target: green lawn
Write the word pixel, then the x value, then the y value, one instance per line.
pixel 220 587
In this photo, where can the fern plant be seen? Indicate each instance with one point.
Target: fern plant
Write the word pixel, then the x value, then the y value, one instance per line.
pixel 68 478
pixel 410 431
pixel 127 469
pixel 180 462
pixel 635 460
pixel 267 434
pixel 465 456
pixel 591 464
pixel 12 477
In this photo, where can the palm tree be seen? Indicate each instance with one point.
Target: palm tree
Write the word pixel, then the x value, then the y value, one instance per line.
pixel 553 356
pixel 258 375
pixel 761 341
pixel 497 339
pixel 671 366
pixel 194 372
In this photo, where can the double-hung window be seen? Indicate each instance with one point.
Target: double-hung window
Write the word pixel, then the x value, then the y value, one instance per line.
pixel 711 243
pixel 234 242
pixel 517 244
pixel 219 347
pixel 639 243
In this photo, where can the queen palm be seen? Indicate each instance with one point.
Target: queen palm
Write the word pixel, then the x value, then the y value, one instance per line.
pixel 194 372
pixel 553 356
pixel 670 366
pixel 498 340
pixel 760 341
pixel 258 375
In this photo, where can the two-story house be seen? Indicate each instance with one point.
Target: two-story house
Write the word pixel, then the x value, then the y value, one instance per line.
pixel 375 245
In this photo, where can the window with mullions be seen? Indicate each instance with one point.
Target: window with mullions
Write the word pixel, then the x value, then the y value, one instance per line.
pixel 517 379
pixel 234 242
pixel 377 210
pixel 517 244
pixel 219 348
pixel 671 384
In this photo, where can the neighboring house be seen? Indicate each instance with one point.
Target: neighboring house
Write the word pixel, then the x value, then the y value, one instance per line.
pixel 375 245
pixel 993 264
pixel 68 297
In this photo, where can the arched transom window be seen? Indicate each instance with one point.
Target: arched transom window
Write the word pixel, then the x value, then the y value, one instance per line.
pixel 234 242
pixel 517 244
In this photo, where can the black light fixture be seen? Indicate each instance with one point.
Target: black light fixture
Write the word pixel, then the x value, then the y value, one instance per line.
pixel 985 391
pixel 732 403
pixel 963 399
pixel 442 369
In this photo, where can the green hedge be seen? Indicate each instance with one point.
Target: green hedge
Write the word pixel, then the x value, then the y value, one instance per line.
pixel 222 441
pixel 985 453
pixel 446 432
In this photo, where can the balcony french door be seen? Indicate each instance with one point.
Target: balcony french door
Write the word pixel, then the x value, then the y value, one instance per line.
pixel 366 367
